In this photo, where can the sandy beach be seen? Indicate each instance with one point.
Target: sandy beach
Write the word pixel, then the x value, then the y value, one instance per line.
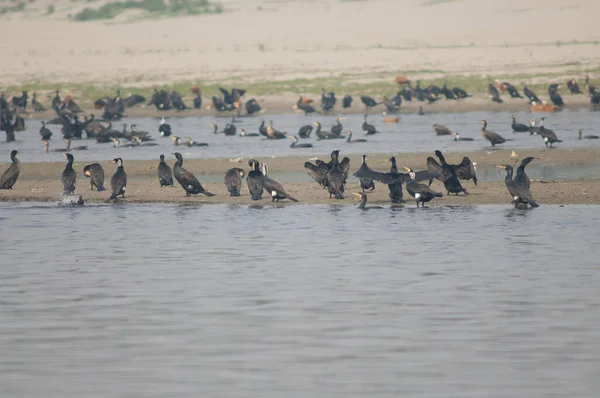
pixel 41 181
pixel 284 48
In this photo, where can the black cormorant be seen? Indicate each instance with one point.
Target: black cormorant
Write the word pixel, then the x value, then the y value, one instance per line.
pixel 547 134
pixel 518 127
pixel 165 174
pixel 273 188
pixel 243 133
pixel 187 180
pixel 365 182
pixel 10 175
pixel 421 192
pixel 324 135
pixel 255 180
pixel 295 144
pixel 191 143
pixel 95 172
pixel 493 138
pixel 68 176
pixel 530 94
pixel 347 101
pixel 448 173
pixel 233 180
pixel 262 129
pixel 395 188
pixel 304 131
pixel 368 101
pixel 521 176
pixel 349 140
pixel 37 106
pixel 45 131
pixel 318 172
pixel 512 90
pixel 555 96
pixel 335 177
pixel 164 128
pixel 586 137
pixel 337 127
pixel 274 134
pixel 520 193
pixel 440 129
pixel 572 85
pixel 369 129
pixel 363 201
pixel 118 182
pixel 457 137
pixel 307 108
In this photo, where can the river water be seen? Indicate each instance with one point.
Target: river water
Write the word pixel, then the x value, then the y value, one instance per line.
pixel 414 133
pixel 298 301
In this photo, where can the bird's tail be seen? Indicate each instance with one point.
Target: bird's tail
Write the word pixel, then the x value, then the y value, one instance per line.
pixel 438 195
pixel 475 180
pixel 533 203
pixel 558 140
pixel 100 188
pixel 338 195
pixel 292 199
pixel 208 193
pixel 112 197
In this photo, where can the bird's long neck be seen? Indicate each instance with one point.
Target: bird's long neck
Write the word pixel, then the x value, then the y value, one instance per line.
pixel 509 175
pixel 349 139
pixel 363 202
pixel 70 163
pixel 484 125
pixel 393 169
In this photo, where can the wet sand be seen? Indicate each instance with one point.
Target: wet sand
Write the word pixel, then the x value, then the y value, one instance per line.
pixel 41 181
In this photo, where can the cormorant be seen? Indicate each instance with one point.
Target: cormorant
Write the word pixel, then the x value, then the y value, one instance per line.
pixel 365 182
pixel 164 128
pixel 548 135
pixel 337 127
pixel 273 188
pixel 521 176
pixel 421 192
pixel 255 180
pixel 37 106
pixel 262 129
pixel 191 143
pixel 274 134
pixel 530 94
pixel 586 137
pixel 572 85
pixel 420 111
pixel 460 93
pixel 56 101
pixel 296 145
pixel 187 180
pixel 347 101
pixel 243 133
pixel 230 128
pixel 96 174
pixel 45 131
pixel 449 94
pixel 233 181
pixel 335 177
pixel 165 174
pixel 440 129
pixel 197 96
pixel 392 105
pixel 363 201
pixel 349 140
pixel 493 138
pixel 493 91
pixel 176 140
pixel 512 90
pixel 118 182
pixel 518 127
pixel 368 101
pixel 457 137
pixel 68 176
pixel 252 106
pixel 324 135
pixel 10 175
pixel 395 188
pixel 449 174
pixel 304 131
pixel 555 96
pixel 369 129
pixel 520 193
pixel 317 172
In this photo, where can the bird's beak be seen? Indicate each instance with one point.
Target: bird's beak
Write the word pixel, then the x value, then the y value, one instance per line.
pixel 406 168
pixel 357 194
pixel 500 167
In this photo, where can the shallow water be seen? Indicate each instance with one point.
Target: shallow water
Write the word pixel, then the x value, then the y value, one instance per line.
pixel 298 301
pixel 414 133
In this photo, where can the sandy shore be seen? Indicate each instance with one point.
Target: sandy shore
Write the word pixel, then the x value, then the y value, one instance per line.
pixel 296 42
pixel 41 181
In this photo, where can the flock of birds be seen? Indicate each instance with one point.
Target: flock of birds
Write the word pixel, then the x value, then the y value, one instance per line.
pixel 330 175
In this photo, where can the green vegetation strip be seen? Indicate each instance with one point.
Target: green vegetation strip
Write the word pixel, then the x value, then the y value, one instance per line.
pixel 153 7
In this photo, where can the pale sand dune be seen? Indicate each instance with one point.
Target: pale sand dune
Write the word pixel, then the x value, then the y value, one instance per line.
pixel 288 39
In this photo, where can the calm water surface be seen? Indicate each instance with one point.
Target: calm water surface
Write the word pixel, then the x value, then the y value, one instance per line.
pixel 414 133
pixel 298 301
